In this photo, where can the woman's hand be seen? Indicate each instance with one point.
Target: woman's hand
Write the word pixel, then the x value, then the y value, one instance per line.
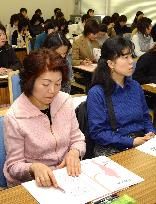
pixel 86 62
pixel 72 162
pixel 140 140
pixel 43 175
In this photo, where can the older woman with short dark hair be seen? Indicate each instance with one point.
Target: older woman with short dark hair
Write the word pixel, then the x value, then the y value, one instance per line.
pixel 41 129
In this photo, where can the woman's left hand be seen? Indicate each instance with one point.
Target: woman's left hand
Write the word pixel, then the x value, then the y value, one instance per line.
pixel 72 162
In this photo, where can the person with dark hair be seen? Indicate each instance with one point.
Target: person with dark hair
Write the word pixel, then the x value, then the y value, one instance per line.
pixel 60 44
pixel 12 26
pixel 8 59
pixel 56 10
pixel 145 73
pixel 102 34
pixel 62 25
pixel 21 36
pixel 118 116
pixel 23 14
pixel 36 25
pixel 38 11
pixel 90 12
pixel 115 17
pixel 49 27
pixel 34 141
pixel 82 49
pixel 138 16
pixel 107 20
pixel 121 27
pixel 142 39
pixel 80 25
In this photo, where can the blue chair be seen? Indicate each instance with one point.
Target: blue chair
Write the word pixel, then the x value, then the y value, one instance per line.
pixel 2 155
pixel 14 85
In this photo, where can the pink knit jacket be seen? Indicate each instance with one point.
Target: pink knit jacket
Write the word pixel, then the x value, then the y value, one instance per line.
pixel 29 137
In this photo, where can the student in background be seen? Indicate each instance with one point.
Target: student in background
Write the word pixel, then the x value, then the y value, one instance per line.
pixel 138 16
pixel 56 10
pixel 121 27
pixel 113 78
pixel 82 49
pixel 8 59
pixel 41 129
pixel 102 35
pixel 59 43
pixel 90 12
pixel 12 26
pixel 107 20
pixel 21 36
pixel 23 14
pixel 36 25
pixel 142 39
pixel 49 27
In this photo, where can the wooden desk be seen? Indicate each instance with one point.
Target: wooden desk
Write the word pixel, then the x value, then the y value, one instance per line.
pixel 140 163
pixel 21 53
pixel 4 92
pixel 149 87
pixel 90 68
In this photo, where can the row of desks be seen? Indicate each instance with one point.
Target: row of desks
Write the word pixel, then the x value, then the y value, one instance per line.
pixel 138 162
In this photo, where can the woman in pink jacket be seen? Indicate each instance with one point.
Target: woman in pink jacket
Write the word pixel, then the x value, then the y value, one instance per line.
pixel 41 129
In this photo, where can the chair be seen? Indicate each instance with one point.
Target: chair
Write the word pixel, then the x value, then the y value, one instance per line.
pixel 14 86
pixel 2 155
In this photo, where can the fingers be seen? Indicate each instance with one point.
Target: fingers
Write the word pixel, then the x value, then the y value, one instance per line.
pixel 43 181
pixel 53 179
pixel 63 163
pixel 73 167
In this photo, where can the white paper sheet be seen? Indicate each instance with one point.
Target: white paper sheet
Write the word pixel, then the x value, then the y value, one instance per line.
pixel 100 177
pixel 149 147
pixel 152 84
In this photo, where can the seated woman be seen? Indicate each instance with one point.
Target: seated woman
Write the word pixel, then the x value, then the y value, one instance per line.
pixel 59 43
pixel 21 36
pixel 142 39
pixel 12 26
pixel 8 59
pixel 41 129
pixel 113 78
pixel 82 49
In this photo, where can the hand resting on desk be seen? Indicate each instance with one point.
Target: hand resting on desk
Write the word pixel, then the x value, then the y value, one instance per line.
pixel 141 140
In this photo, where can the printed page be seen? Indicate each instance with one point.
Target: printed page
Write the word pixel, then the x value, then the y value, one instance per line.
pixel 100 177
pixel 149 147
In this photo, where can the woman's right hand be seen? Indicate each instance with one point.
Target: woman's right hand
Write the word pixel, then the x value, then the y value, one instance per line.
pixel 141 140
pixel 43 175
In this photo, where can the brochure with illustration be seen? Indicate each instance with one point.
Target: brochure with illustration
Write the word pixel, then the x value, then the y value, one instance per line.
pixel 100 178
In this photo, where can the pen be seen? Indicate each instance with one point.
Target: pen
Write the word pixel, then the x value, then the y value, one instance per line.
pixel 61 189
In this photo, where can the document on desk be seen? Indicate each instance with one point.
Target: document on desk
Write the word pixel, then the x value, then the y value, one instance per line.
pixel 149 147
pixel 152 84
pixel 100 177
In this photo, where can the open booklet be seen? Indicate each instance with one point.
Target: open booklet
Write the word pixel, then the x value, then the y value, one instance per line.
pixel 149 147
pixel 100 177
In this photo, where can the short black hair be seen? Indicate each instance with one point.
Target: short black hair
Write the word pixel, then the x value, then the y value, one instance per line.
pixel 143 23
pixel 56 10
pixel 91 26
pixel 22 23
pixel 49 25
pixel 122 18
pixel 55 40
pixel 103 27
pixel 107 20
pixel 90 10
pixel 13 19
pixel 2 27
pixel 38 11
pixel 22 10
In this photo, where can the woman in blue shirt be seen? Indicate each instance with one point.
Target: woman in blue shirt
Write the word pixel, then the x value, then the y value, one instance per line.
pixel 113 77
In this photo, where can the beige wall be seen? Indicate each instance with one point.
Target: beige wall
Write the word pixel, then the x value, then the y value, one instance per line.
pixel 9 7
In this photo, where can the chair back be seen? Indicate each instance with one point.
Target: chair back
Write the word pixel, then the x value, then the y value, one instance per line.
pixel 2 154
pixel 14 85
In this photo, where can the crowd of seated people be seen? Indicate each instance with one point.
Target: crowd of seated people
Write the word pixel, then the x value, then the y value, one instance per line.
pixel 46 75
